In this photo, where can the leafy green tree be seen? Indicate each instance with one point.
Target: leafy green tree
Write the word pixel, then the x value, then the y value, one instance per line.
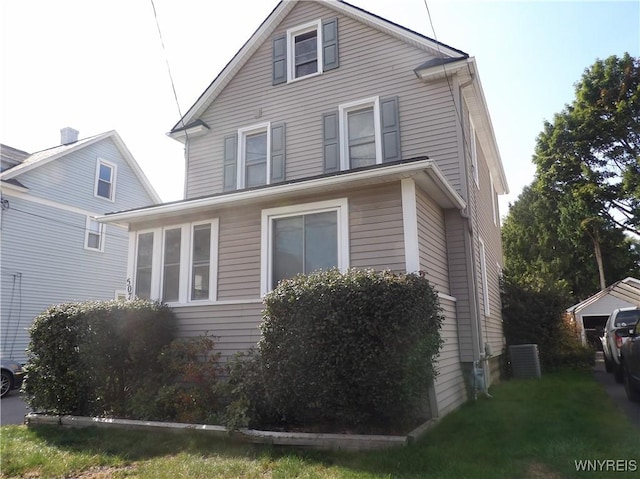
pixel 567 229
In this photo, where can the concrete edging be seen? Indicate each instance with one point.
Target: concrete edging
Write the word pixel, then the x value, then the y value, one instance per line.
pixel 351 442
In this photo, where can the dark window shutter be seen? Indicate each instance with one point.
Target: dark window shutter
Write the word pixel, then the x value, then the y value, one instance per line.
pixel 330 44
pixel 277 152
pixel 280 59
pixel 230 162
pixel 390 129
pixel 331 142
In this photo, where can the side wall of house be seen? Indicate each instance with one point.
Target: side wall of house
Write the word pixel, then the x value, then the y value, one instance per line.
pixel 486 242
pixel 371 64
pixel 44 262
pixel 44 259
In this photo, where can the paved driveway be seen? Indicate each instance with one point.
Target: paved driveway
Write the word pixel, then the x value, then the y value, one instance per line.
pixel 616 391
pixel 12 409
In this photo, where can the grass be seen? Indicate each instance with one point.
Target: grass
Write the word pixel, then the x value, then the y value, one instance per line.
pixel 529 429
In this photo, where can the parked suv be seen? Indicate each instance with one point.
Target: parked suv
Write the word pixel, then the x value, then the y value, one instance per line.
pixel 616 332
pixel 631 364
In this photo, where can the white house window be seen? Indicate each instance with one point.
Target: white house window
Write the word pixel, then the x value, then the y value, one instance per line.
pixel 201 262
pixel 494 203
pixel 305 51
pixel 94 235
pixel 177 264
pixel 360 134
pixel 254 155
pixel 144 265
pixel 171 265
pixel 105 180
pixel 302 239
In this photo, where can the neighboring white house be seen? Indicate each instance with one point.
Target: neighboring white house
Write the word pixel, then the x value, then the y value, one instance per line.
pixel 52 248
pixel 333 138
pixel 591 314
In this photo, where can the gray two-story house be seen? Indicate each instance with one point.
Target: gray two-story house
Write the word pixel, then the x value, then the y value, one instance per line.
pixel 52 249
pixel 333 138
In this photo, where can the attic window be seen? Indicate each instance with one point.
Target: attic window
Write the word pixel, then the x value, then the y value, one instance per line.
pixel 304 46
pixel 105 180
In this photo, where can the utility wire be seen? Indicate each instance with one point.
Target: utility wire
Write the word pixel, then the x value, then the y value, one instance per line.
pixel 166 59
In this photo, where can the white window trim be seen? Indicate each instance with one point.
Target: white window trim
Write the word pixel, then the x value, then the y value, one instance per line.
pixel 213 261
pixel 120 294
pixel 483 272
pixel 242 135
pixel 291 52
pixel 474 152
pixel 186 255
pixel 102 233
pixel 340 205
pixel 114 175
pixel 343 111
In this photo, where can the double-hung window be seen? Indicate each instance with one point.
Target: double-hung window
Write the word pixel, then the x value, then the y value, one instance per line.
pixel 254 155
pixel 304 44
pixel 474 152
pixel 105 180
pixel 94 235
pixel 176 264
pixel 302 239
pixel 360 134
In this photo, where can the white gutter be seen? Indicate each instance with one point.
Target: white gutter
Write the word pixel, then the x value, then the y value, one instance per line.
pixel 431 176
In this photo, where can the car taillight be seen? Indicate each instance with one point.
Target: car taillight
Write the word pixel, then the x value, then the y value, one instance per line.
pixel 618 340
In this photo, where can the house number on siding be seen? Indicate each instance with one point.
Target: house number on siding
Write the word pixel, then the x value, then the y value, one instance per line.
pixel 129 289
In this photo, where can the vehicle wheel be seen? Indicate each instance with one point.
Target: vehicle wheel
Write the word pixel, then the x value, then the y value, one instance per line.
pixel 608 367
pixel 632 393
pixel 6 384
pixel 618 373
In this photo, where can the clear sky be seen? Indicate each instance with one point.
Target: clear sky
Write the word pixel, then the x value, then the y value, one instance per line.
pixel 98 65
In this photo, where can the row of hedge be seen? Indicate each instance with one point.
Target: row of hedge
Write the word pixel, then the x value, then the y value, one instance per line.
pixel 347 350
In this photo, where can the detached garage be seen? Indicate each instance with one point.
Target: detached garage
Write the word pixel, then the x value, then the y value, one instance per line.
pixel 591 314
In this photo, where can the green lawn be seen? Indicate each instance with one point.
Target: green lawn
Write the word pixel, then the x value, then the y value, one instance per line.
pixel 529 429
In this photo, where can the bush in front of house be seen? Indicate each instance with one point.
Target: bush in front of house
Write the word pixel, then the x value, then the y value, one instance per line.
pixel 536 317
pixel 346 350
pixel 90 358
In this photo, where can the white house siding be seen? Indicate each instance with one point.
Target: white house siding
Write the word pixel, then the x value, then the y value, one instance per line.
pixel 44 262
pixel 371 64
pixel 449 385
pixel 432 242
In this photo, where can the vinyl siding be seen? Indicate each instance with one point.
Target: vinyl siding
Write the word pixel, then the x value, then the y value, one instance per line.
pixel 44 262
pixel 432 243
pixel 449 385
pixel 371 64
pixel 235 326
pixel 457 236
pixel 71 180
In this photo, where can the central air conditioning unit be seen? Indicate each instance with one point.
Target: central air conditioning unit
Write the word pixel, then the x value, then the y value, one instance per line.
pixel 525 361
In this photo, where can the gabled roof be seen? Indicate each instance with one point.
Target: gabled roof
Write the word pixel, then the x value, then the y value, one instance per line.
pixel 627 289
pixel 269 25
pixel 12 156
pixel 43 157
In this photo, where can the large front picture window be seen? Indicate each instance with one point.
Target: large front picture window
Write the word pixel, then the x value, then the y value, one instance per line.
pixel 303 244
pixel 303 239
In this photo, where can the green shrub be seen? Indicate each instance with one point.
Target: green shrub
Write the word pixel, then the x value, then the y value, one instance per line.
pixel 537 317
pixel 89 358
pixel 187 389
pixel 346 349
